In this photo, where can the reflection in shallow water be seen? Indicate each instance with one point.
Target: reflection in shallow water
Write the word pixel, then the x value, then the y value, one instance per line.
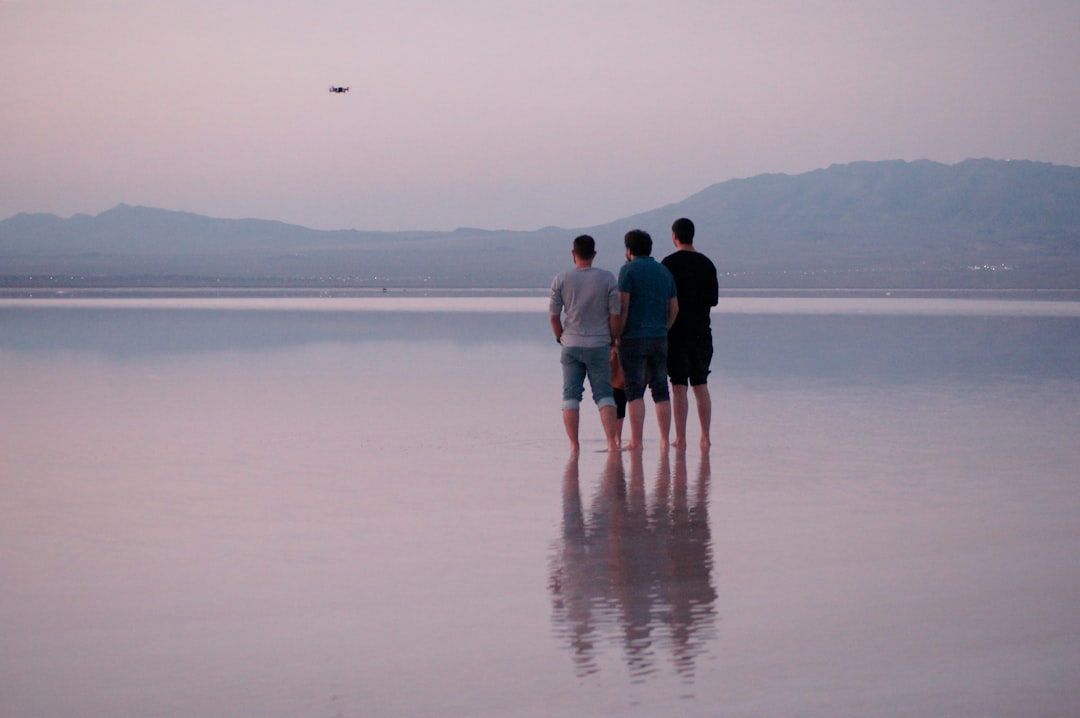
pixel 301 513
pixel 635 572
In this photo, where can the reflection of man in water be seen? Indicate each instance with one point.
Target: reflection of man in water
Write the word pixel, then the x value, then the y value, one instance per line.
pixel 690 347
pixel 584 316
pixel 635 572
pixel 689 591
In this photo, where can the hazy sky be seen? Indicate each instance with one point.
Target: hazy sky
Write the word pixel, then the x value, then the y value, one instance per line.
pixel 507 113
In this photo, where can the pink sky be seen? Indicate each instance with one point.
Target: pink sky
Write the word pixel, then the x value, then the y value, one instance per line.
pixel 506 113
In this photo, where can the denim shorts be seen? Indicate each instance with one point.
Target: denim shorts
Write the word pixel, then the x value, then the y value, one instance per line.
pixel 644 364
pixel 579 362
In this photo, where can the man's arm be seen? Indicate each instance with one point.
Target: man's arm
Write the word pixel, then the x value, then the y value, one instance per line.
pixel 672 311
pixel 556 326
pixel 624 307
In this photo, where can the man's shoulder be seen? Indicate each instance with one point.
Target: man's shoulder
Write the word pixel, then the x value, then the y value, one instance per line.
pixel 660 268
pixel 685 260
pixel 561 277
pixel 703 259
pixel 599 275
pixel 647 268
pixel 687 255
pixel 602 272
pixel 676 259
pixel 583 275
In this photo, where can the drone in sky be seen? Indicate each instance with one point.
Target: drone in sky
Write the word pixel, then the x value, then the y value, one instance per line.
pixel 338 90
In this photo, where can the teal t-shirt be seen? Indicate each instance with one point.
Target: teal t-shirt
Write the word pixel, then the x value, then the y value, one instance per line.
pixel 651 288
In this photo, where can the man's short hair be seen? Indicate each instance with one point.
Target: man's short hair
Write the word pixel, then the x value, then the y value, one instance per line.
pixel 585 246
pixel 683 229
pixel 638 242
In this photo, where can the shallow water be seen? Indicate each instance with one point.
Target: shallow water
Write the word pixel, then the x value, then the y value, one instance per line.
pixel 288 508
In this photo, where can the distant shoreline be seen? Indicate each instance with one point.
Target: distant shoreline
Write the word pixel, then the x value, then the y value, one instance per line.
pixel 46 293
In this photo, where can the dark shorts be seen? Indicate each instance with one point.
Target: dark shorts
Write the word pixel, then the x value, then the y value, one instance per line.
pixel 620 403
pixel 644 365
pixel 689 359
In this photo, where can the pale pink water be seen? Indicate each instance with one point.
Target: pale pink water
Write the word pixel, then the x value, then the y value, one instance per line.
pixel 252 512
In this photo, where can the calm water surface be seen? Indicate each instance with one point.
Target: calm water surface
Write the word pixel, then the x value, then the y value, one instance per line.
pixel 364 507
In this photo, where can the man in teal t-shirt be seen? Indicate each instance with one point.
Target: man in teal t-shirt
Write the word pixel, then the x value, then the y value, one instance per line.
pixel 649 305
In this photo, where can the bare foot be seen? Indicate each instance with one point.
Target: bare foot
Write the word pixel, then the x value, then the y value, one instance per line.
pixel 575 448
pixel 705 443
pixel 680 442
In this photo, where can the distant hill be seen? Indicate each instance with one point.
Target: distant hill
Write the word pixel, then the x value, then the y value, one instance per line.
pixel 976 224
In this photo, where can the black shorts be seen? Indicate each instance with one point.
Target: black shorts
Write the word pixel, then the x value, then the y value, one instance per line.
pixel 620 402
pixel 689 359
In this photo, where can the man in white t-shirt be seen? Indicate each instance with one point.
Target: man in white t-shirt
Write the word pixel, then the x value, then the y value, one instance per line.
pixel 585 308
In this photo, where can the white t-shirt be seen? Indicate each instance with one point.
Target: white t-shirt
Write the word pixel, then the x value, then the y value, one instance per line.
pixel 586 298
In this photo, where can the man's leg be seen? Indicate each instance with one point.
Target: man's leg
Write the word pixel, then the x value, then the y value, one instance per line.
pixel 598 367
pixel 704 410
pixel 572 420
pixel 663 421
pixel 678 365
pixel 573 389
pixel 609 420
pixel 700 357
pixel 632 359
pixel 635 411
pixel 680 410
pixel 656 373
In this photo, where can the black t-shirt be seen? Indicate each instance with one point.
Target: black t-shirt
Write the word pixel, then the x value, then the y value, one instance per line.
pixel 695 279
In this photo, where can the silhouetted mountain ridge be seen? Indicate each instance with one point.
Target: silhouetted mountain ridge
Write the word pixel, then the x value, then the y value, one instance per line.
pixel 891 223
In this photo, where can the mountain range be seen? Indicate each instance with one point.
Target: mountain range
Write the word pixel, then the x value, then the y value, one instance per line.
pixel 976 224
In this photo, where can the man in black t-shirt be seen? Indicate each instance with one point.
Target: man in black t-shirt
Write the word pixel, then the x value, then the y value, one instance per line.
pixel 690 346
